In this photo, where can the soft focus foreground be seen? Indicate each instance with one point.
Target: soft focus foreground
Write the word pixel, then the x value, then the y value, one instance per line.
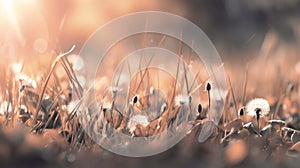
pixel 38 121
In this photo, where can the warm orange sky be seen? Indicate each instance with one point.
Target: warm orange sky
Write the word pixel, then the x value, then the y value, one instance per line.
pixel 42 25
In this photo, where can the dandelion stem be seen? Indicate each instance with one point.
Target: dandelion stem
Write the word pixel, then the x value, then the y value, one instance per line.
pixel 208 94
pixel 258 113
pixel 258 124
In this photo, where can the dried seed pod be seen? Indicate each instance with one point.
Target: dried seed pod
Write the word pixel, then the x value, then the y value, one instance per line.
pixel 208 89
pixel 207 86
pixel 135 99
pixel 199 108
pixel 241 111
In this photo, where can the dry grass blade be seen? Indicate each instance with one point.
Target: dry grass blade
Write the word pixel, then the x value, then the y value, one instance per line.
pixel 245 85
pixel 53 66
pixel 71 71
pixel 233 97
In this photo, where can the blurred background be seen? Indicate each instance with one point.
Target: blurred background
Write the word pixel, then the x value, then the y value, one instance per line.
pixel 242 31
pixel 232 25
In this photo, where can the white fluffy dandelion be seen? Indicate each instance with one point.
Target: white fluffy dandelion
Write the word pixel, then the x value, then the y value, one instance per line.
pixel 151 90
pixel 114 90
pixel 136 120
pixel 76 61
pixel 26 81
pixel 106 105
pixel 163 107
pixel 258 106
pixel 181 100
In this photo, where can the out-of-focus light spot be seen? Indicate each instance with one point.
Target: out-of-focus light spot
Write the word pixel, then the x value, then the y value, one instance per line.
pixel 40 45
pixel 81 80
pixel 16 67
pixel 20 36
pixel 8 7
pixel 76 61
pixel 190 65
pixel 72 106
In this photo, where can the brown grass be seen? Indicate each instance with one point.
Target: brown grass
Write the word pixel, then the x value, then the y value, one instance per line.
pixel 47 133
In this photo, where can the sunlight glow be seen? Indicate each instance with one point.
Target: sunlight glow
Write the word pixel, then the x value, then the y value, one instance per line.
pixel 9 9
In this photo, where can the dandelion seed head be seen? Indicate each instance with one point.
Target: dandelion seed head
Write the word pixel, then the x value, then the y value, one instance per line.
pixel 163 107
pixel 258 105
pixel 114 90
pixel 26 81
pixel 136 120
pixel 106 105
pixel 151 90
pixel 76 61
pixel 181 100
